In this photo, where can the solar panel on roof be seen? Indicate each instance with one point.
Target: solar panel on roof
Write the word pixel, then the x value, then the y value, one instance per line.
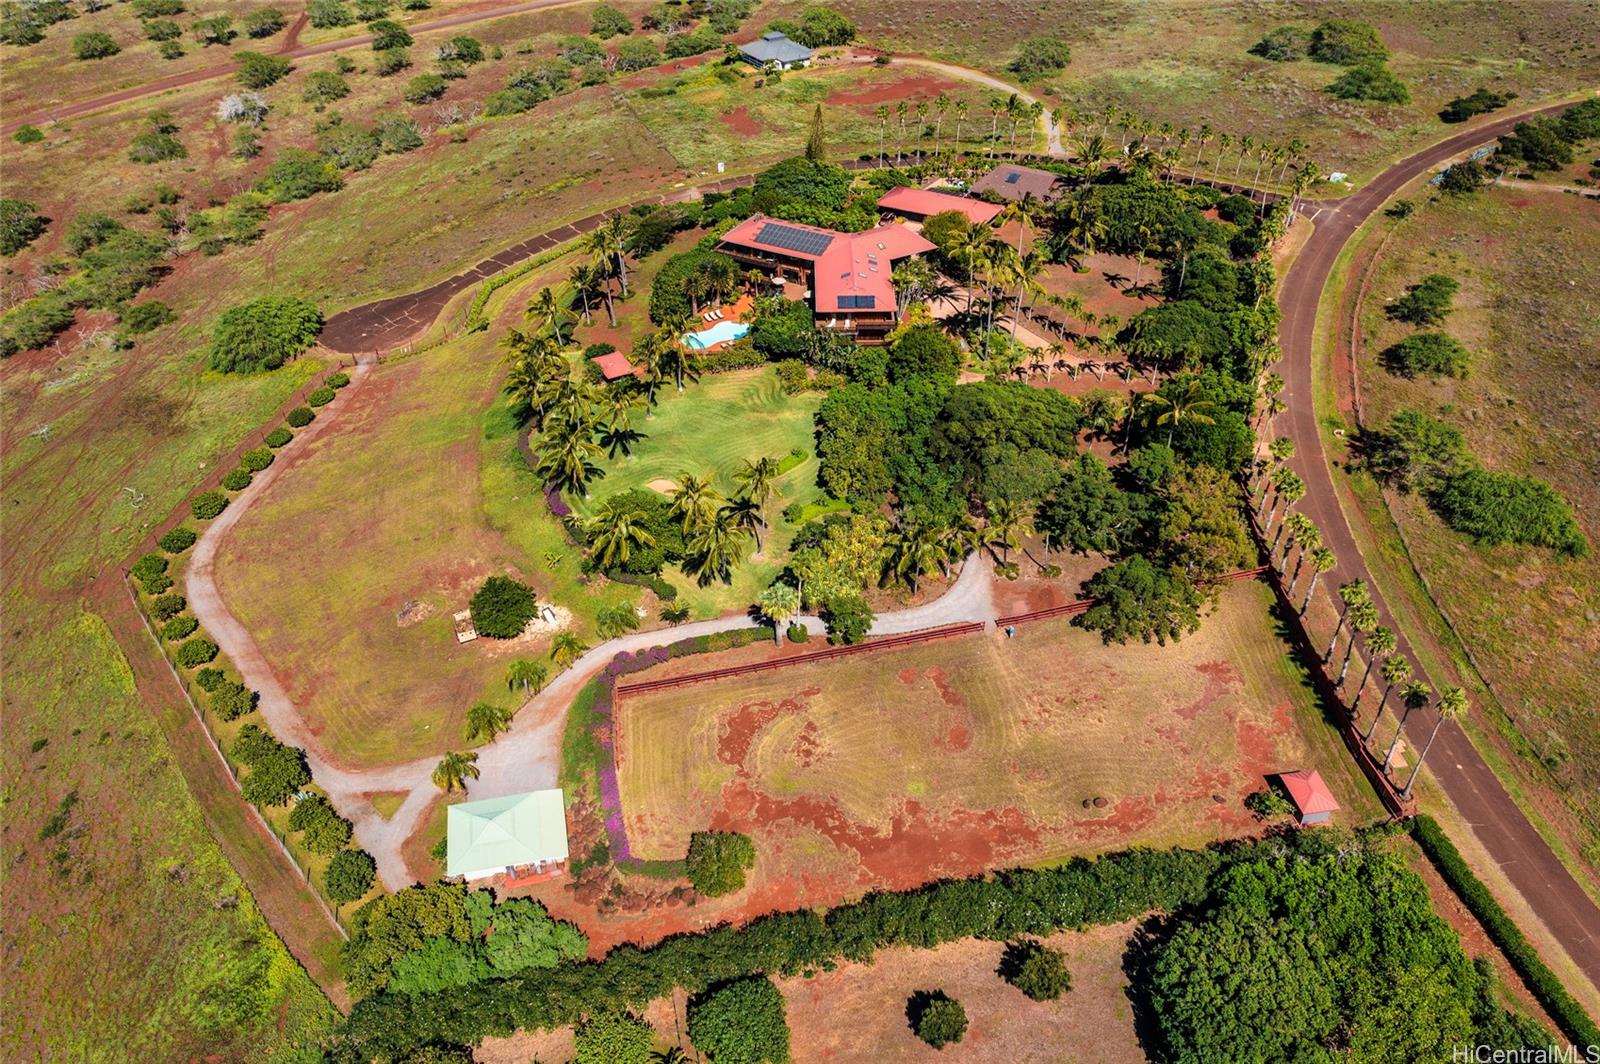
pixel 789 238
pixel 857 302
pixel 1013 177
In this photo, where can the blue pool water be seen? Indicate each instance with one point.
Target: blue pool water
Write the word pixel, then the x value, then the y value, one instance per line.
pixel 722 330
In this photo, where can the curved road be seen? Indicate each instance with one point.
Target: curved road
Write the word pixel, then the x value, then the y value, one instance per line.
pixel 1563 906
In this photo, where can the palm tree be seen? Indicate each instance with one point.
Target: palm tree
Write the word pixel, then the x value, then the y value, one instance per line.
pixel 581 278
pixel 1224 141
pixel 566 458
pixel 485 721
pixel 674 359
pixel 1396 670
pixel 779 602
pixel 694 501
pixel 1247 145
pixel 1308 538
pixel 1452 705
pixel 670 1055
pixel 941 104
pixel 757 477
pixel 922 128
pixel 674 614
pixel 1380 644
pixel 900 110
pixel 883 128
pixel 618 437
pixel 454 769
pixel 715 550
pixel 1202 138
pixel 1290 490
pixel 1191 406
pixel 546 310
pixel 1008 525
pixel 1090 151
pixel 608 243
pixel 1298 526
pixel 1363 618
pixel 961 114
pixel 530 674
pixel 914 549
pixel 745 514
pixel 566 648
pixel 1351 593
pixel 615 620
pixel 615 531
pixel 1271 385
pixel 1322 560
pixel 1413 696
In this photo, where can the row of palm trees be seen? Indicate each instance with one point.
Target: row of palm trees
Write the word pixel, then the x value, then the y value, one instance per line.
pixel 1276 488
pixel 1014 111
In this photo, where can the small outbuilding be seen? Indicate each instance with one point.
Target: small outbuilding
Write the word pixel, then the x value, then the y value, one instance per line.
pixel 775 51
pixel 520 832
pixel 614 366
pixel 1312 799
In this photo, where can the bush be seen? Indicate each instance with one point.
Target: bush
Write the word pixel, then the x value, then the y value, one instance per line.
pixel 215 30
pixel 337 380
pixel 28 135
pixel 1035 969
pixel 798 633
pixel 502 607
pixel 320 397
pixel 350 875
pixel 1463 178
pixel 390 61
pixel 1430 354
pixel 263 334
pixel 324 86
pixel 151 565
pixel 170 50
pixel 140 318
pixel 256 459
pixel 278 437
pixel 1238 210
pixel 1283 45
pixel 1496 508
pixel 180 627
pixel 818 27
pixel 1453 869
pixel 20 225
pixel 209 678
pixel 236 479
pixel 1347 42
pixel 718 860
pixel 741 1022
pixel 34 324
pixel 1480 102
pixel 1427 302
pixel 165 607
pixel 425 87
pixel 1372 82
pixel 152 147
pixel 178 540
pixel 298 173
pixel 197 651
pixel 94 46
pixel 208 504
pixel 387 34
pixel 613 1038
pixel 231 700
pixel 849 619
pixel 264 23
pixel 257 71
pixel 606 22
pixel 162 29
pixel 329 14
pixel 300 417
pixel 157 8
pixel 938 1019
pixel 1040 57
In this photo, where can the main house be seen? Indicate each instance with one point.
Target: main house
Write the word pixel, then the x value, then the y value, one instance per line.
pixel 847 275
pixel 775 51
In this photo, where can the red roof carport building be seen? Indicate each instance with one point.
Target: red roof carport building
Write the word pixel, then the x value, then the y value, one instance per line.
pixel 1310 795
pixel 920 204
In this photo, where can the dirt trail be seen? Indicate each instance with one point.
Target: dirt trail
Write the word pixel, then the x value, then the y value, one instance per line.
pixel 1533 868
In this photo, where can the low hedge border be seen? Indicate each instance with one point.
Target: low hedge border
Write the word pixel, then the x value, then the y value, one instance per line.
pixel 1562 1006
pixel 475 319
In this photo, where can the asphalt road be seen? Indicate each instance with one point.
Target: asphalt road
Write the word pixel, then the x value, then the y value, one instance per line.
pixel 1569 913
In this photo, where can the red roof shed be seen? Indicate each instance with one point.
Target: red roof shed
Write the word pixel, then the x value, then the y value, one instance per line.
pixel 614 366
pixel 1310 795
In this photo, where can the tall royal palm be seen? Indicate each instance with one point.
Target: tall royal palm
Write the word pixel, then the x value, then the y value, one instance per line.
pixel 1351 593
pixel 1452 705
pixel 1413 696
pixel 1396 670
pixel 1381 642
pixel 1322 561
pixel 1362 618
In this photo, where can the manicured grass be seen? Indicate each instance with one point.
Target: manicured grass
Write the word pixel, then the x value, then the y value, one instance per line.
pixel 981 731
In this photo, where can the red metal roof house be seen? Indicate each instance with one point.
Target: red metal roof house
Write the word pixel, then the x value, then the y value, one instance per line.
pixel 1310 795
pixel 848 274
pixel 920 204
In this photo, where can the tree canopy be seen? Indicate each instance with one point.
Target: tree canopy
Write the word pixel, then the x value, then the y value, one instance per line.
pixel 741 1022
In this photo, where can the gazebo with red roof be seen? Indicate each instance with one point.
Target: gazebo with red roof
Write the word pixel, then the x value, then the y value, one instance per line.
pixel 614 366
pixel 920 204
pixel 1310 795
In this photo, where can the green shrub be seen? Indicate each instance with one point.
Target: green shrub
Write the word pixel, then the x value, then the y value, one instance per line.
pixel 208 504
pixel 180 627
pixel 1372 82
pixel 324 87
pixel 149 565
pixel 613 1038
pixel 1429 354
pixel 424 88
pixel 329 14
pixel 170 50
pixel 718 860
pixel 152 147
pixel 257 71
pixel 28 135
pixel 297 174
pixel 34 323
pixel 938 1019
pixel 1496 508
pixel 502 607
pixel 94 46
pixel 1427 302
pixel 140 318
pixel 264 22
pixel 1283 45
pixel 278 437
pixel 606 21
pixel 236 479
pixel 849 619
pixel 390 61
pixel 277 772
pixel 300 417
pixel 1035 969
pixel 1040 57
pixel 209 679
pixel 741 1022
pixel 798 633
pixel 320 397
pixel 20 225
pixel 1347 42
pixel 165 607
pixel 1479 103
pixel 231 700
pixel 263 334
pixel 197 651
pixel 1561 1005
pixel 349 875
pixel 256 459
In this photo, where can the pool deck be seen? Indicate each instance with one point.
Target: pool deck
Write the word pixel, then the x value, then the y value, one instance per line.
pixel 731 314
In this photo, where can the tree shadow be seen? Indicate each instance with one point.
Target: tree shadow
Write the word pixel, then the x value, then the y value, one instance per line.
pixel 919 1003
pixel 1138 962
pixel 1305 663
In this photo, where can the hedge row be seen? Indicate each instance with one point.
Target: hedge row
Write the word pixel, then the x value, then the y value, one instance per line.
pixel 1506 934
pixel 475 319
pixel 1002 907
pixel 663 590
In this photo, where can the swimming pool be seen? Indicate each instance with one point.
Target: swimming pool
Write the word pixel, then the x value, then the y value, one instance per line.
pixel 721 331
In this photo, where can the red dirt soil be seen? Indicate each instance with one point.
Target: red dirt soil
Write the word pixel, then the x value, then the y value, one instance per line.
pixel 925 85
pixel 740 121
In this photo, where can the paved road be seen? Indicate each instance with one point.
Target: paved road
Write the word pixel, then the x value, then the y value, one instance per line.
pixel 195 77
pixel 1469 782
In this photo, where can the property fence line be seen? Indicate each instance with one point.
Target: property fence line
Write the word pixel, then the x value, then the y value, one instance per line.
pixel 233 774
pixel 889 642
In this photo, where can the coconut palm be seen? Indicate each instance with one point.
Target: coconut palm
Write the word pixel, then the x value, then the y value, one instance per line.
pixel 608 244
pixel 1322 561
pixel 1395 670
pixel 454 770
pixel 485 721
pixel 546 310
pixel 567 648
pixel 1191 406
pixel 961 114
pixel 673 358
pixel 745 515
pixel 1380 644
pixel 619 437
pixel 694 500
pixel 582 279
pixel 616 531
pixel 941 104
pixel 1413 696
pixel 1351 593
pixel 1362 618
pixel 1308 538
pixel 1452 705
pixel 882 113
pixel 914 549
pixel 1007 526
pixel 1201 139
pixel 616 619
pixel 1224 142
pixel 758 478
pixel 567 458
pixel 779 602
pixel 529 674
pixel 715 550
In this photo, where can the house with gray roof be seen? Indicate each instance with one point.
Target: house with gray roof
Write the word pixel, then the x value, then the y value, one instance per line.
pixel 775 50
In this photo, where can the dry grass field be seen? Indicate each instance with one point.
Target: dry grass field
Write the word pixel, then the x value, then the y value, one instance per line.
pixel 1529 312
pixel 890 769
